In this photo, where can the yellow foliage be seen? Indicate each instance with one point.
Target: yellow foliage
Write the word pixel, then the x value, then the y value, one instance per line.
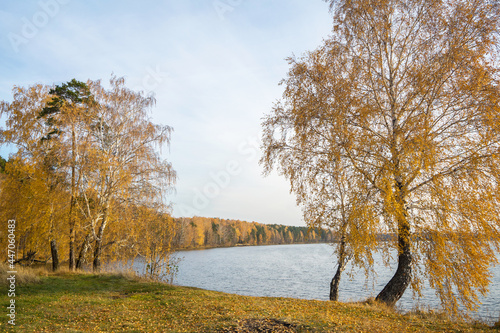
pixel 392 126
pixel 87 157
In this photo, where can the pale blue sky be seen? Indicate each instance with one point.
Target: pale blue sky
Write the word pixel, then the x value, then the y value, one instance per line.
pixel 213 65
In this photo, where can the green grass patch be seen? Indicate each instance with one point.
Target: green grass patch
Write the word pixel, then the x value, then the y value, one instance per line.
pixel 117 303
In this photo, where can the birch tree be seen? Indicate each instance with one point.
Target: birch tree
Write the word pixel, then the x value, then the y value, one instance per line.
pixel 331 199
pixel 405 92
pixel 102 150
pixel 128 165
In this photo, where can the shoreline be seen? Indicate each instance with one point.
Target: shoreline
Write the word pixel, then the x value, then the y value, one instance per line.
pixel 245 245
pixel 86 302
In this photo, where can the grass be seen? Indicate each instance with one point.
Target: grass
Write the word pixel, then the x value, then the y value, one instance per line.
pixel 23 275
pixel 71 302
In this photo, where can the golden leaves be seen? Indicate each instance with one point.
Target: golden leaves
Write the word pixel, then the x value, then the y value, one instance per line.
pixel 400 105
pixel 86 154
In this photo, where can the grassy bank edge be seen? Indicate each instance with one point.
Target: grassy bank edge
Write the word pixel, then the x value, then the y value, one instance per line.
pixel 123 302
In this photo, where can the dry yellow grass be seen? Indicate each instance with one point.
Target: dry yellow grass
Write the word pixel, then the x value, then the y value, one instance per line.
pixel 23 275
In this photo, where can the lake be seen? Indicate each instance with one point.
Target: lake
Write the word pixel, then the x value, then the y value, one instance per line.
pixel 301 271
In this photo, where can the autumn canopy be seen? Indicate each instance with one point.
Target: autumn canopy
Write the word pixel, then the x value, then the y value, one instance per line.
pixel 398 113
pixel 87 177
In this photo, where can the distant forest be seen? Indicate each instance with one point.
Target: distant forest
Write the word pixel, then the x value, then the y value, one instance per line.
pixel 203 232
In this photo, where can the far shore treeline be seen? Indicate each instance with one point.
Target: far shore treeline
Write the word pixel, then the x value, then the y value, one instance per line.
pixel 203 232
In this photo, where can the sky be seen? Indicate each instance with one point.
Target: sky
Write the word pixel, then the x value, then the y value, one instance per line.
pixel 214 67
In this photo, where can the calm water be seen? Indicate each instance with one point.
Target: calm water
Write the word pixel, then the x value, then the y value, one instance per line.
pixel 300 271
